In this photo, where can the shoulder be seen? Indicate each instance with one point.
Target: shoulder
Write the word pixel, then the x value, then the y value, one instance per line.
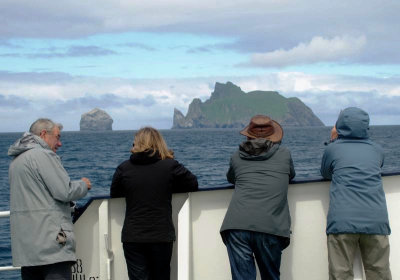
pixel 170 162
pixel 40 154
pixel 283 151
pixel 125 164
pixel 235 156
pixel 334 145
pixel 376 146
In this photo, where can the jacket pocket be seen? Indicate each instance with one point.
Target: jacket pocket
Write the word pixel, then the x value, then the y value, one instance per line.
pixel 66 237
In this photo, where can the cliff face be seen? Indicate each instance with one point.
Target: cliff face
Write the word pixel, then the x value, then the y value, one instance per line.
pixel 230 107
pixel 96 120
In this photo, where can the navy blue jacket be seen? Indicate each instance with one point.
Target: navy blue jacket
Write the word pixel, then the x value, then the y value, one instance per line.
pixel 353 163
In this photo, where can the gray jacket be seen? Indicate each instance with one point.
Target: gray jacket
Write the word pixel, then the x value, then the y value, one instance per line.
pixel 40 192
pixel 261 172
pixel 353 163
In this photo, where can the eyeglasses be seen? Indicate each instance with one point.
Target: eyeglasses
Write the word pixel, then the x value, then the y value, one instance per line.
pixel 58 136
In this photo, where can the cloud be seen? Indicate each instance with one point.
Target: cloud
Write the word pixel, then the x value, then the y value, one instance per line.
pixel 382 109
pixel 203 49
pixel 74 51
pixel 264 27
pixel 138 46
pixel 33 77
pixel 13 102
pixel 339 49
pixel 133 103
pixel 105 101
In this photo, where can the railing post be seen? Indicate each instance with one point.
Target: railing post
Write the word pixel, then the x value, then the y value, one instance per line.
pixel 184 240
pixel 106 254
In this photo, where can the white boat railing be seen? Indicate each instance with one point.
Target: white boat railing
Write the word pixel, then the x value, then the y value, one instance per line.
pixel 199 252
pixel 6 214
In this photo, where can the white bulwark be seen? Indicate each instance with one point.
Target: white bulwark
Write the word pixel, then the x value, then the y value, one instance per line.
pixel 199 252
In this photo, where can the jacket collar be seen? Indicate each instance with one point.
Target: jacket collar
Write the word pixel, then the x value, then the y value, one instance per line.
pixel 145 157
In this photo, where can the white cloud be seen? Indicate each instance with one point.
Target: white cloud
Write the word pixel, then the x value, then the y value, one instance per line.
pixel 135 103
pixel 270 28
pixel 317 50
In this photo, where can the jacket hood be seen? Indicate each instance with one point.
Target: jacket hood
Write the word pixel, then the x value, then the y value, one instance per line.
pixel 145 157
pixel 353 123
pixel 26 142
pixel 257 149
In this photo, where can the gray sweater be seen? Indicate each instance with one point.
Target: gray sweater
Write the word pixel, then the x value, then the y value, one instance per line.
pixel 261 172
pixel 40 192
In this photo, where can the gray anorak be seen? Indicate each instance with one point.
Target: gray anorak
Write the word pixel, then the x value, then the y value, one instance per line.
pixel 40 192
pixel 353 163
pixel 260 171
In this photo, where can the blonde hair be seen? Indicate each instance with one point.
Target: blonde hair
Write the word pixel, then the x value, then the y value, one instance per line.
pixel 148 138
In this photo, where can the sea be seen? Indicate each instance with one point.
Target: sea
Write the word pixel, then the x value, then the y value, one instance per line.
pixel 206 152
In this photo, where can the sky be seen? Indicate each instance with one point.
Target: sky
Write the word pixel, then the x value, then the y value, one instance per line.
pixel 138 60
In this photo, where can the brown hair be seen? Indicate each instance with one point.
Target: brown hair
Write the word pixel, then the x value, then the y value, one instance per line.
pixel 148 138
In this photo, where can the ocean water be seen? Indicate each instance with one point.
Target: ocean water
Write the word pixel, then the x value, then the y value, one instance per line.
pixel 205 152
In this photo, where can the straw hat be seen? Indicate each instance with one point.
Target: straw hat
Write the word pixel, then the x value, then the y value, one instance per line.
pixel 263 127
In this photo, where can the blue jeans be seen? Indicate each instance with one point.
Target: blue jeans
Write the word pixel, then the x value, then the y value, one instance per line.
pixel 245 246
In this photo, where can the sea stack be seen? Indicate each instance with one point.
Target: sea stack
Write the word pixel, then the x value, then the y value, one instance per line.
pixel 96 120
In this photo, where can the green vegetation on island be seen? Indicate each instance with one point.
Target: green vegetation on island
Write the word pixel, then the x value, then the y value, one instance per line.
pixel 230 107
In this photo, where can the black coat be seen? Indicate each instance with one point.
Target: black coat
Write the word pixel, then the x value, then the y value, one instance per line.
pixel 147 183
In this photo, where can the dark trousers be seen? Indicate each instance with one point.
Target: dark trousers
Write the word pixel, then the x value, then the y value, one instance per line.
pixel 148 261
pixel 56 271
pixel 244 246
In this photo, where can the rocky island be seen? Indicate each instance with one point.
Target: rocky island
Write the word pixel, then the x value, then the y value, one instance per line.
pixel 96 120
pixel 230 107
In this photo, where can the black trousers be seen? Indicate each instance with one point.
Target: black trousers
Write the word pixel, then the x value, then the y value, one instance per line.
pixel 55 271
pixel 148 261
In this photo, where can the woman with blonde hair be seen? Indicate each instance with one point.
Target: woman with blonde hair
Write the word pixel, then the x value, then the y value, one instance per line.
pixel 147 181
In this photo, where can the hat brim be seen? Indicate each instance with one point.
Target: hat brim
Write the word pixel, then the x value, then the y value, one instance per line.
pixel 275 137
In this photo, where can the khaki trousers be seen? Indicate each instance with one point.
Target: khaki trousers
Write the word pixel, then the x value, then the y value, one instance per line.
pixel 374 250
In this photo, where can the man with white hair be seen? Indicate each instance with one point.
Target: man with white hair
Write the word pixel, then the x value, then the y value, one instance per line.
pixel 42 239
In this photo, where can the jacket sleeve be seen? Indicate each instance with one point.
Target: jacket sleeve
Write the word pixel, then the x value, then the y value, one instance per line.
pixel 292 172
pixel 184 180
pixel 56 178
pixel 326 164
pixel 116 189
pixel 230 175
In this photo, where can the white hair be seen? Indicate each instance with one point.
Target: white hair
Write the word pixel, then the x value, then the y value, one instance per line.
pixel 43 124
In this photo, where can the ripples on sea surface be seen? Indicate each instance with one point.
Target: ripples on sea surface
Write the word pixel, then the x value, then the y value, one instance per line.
pixel 205 152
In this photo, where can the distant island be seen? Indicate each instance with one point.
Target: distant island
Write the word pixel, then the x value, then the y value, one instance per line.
pixel 96 120
pixel 230 107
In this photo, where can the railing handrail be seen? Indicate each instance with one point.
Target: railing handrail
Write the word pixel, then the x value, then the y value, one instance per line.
pixel 6 214
pixel 9 268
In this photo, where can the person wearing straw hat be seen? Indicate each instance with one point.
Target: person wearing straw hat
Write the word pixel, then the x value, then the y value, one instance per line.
pixel 257 222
